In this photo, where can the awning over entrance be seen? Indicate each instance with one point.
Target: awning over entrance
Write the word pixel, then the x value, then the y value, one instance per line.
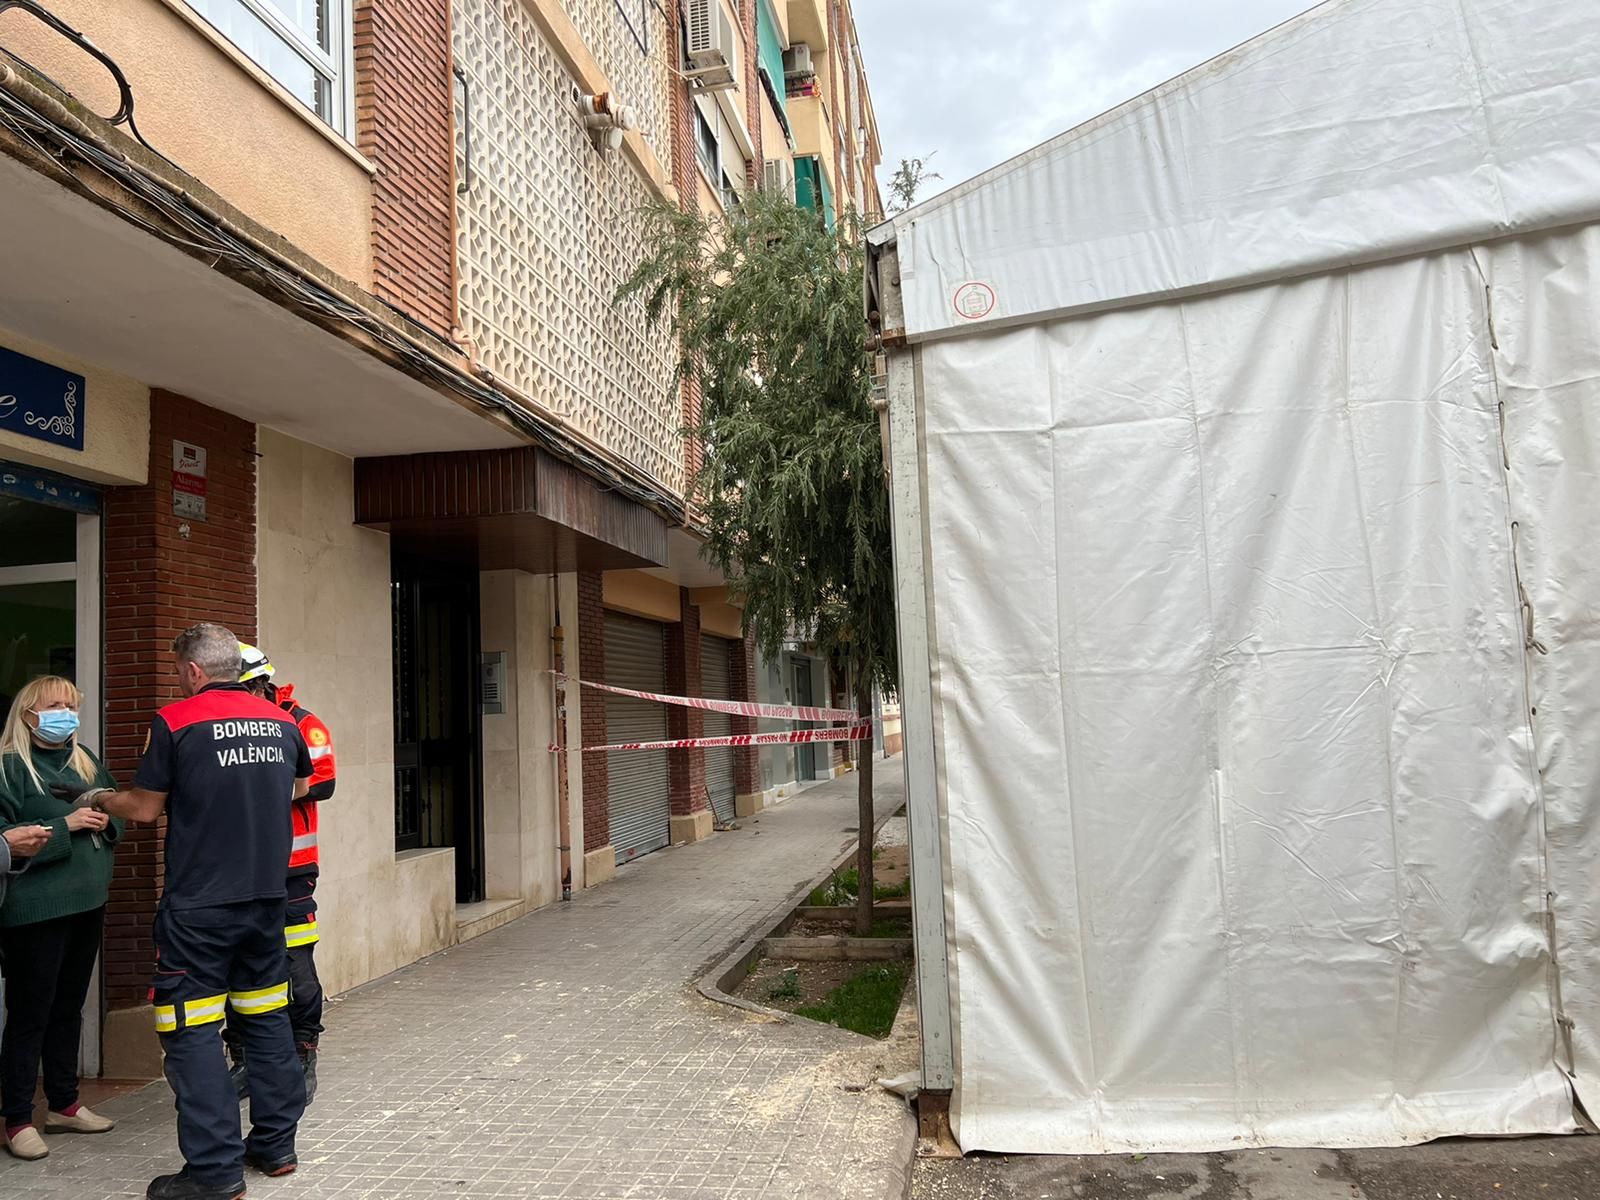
pixel 518 508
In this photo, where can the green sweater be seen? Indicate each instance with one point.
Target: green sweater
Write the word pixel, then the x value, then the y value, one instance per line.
pixel 72 874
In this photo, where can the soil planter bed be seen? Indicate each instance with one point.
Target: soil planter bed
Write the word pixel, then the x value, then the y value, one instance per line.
pixel 822 949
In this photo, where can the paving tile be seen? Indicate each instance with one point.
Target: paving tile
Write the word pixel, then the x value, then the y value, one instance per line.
pixel 568 1055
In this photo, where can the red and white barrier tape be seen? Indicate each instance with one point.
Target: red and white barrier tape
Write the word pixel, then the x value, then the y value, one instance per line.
pixel 854 733
pixel 738 708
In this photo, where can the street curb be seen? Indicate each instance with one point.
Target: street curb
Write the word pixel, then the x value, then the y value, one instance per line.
pixel 734 966
pixel 896 1180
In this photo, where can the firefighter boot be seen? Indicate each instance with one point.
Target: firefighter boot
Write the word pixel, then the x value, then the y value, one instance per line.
pixel 184 1186
pixel 308 1064
pixel 273 1168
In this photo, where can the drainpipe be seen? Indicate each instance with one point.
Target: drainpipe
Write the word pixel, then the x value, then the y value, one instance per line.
pixel 559 695
pixel 458 188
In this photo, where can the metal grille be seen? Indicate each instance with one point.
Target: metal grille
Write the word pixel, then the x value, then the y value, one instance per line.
pixel 639 801
pixel 549 229
pixel 699 19
pixel 716 681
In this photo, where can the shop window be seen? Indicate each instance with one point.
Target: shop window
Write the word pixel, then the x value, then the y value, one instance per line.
pixel 49 586
pixel 303 44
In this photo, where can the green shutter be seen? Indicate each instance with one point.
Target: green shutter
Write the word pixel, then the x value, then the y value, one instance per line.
pixel 827 196
pixel 771 51
pixel 811 189
pixel 807 193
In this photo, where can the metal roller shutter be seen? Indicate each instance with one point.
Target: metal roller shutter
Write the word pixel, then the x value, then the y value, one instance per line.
pixel 715 677
pixel 639 801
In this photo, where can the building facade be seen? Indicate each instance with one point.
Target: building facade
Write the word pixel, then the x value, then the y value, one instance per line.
pixel 312 332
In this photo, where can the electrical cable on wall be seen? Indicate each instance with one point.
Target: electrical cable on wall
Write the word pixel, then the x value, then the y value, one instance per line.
pixel 207 234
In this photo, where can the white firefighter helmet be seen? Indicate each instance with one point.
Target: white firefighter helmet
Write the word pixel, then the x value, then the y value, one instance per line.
pixel 254 664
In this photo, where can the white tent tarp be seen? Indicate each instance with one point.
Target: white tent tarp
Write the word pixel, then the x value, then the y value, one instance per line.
pixel 1362 130
pixel 1262 815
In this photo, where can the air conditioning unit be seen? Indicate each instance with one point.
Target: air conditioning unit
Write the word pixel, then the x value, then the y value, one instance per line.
pixel 777 177
pixel 797 62
pixel 713 46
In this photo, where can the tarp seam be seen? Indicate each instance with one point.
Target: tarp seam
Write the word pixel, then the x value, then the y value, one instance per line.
pixel 1560 1032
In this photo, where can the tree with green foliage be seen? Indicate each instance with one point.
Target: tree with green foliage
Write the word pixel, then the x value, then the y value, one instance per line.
pixel 907 181
pixel 766 305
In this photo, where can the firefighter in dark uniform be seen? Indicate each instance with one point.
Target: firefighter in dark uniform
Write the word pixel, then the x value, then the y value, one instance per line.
pixel 300 932
pixel 225 766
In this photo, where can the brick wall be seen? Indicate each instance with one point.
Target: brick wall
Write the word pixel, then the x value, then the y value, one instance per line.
pixel 742 686
pixel 592 656
pixel 686 768
pixel 753 94
pixel 157 583
pixel 405 110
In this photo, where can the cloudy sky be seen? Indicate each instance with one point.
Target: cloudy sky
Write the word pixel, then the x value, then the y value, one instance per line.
pixel 981 80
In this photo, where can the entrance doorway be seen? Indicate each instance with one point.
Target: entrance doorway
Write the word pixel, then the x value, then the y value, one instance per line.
pixel 437 749
pixel 50 620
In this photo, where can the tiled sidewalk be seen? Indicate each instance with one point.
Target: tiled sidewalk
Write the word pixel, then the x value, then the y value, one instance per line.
pixel 568 1054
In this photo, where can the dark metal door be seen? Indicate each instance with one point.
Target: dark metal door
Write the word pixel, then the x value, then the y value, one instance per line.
pixel 639 781
pixel 715 674
pixel 438 787
pixel 805 757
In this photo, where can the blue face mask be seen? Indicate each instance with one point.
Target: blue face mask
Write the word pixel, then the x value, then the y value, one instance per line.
pixel 57 725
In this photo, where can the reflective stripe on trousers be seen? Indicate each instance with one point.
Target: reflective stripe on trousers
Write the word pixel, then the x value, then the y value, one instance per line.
pixel 263 1000
pixel 203 1011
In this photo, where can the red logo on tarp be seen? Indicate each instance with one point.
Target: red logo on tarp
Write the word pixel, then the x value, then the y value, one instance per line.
pixel 973 301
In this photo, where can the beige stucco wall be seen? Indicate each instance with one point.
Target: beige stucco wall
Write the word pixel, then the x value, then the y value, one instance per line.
pixel 724 620
pixel 116 423
pixel 215 118
pixel 808 22
pixel 520 815
pixel 325 622
pixel 773 144
pixel 708 200
pixel 642 595
pixel 813 133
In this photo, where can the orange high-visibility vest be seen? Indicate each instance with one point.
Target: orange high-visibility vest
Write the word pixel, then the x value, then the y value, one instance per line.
pixel 303 850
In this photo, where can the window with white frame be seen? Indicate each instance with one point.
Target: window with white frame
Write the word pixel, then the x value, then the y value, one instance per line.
pixel 303 44
pixel 705 142
pixel 717 151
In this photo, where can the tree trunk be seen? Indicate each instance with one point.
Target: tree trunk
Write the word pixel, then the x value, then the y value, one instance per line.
pixel 864 817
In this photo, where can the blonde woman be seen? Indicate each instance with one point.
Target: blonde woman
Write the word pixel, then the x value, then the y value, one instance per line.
pixel 50 920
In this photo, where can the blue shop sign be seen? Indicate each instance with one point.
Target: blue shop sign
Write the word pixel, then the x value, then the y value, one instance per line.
pixel 40 401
